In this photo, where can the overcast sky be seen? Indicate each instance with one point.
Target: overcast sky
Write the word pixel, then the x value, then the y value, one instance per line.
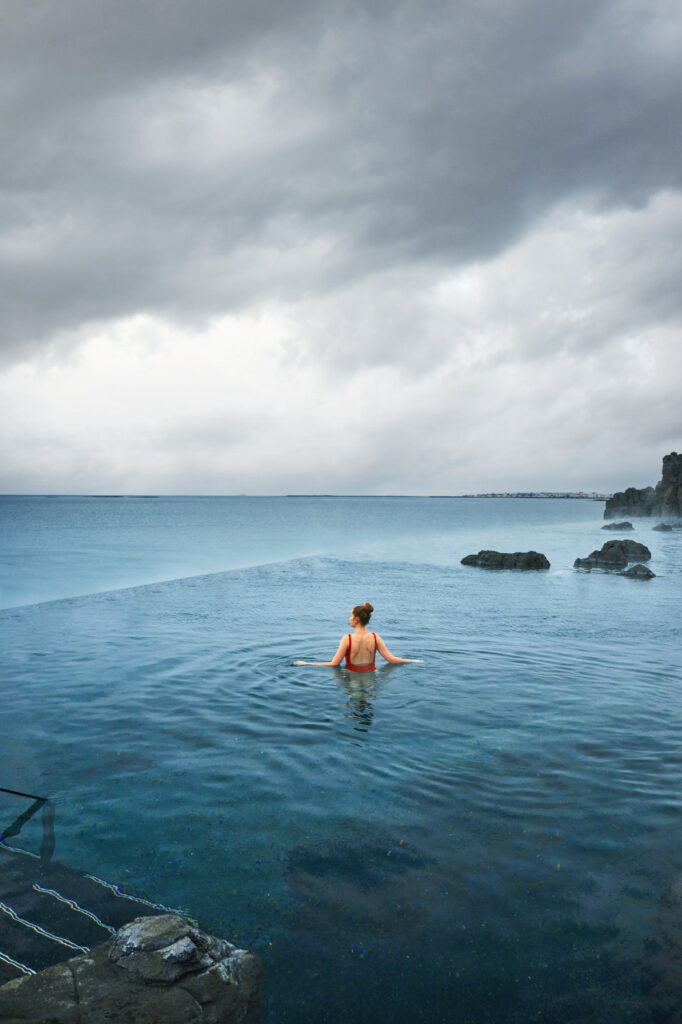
pixel 271 246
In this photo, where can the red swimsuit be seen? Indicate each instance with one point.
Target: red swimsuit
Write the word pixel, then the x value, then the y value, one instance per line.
pixel 361 668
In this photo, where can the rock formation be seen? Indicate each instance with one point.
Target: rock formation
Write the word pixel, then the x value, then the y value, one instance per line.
pixel 634 501
pixel 638 572
pixel 665 499
pixel 615 554
pixel 160 970
pixel 666 527
pixel 618 526
pixel 504 560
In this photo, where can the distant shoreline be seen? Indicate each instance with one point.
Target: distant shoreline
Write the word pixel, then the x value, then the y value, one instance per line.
pixel 579 495
pixel 532 494
pixel 519 494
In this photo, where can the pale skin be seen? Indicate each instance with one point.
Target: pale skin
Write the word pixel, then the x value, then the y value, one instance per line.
pixel 362 649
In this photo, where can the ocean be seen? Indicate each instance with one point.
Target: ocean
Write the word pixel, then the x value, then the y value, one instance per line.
pixel 483 837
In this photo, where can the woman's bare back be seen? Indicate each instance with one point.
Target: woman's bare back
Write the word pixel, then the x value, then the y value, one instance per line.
pixel 362 648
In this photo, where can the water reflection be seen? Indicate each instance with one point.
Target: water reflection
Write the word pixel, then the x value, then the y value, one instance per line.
pixel 362 690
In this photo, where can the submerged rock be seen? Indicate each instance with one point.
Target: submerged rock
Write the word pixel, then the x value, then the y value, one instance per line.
pixel 663 499
pixel 614 554
pixel 618 526
pixel 505 560
pixel 367 862
pixel 638 572
pixel 160 970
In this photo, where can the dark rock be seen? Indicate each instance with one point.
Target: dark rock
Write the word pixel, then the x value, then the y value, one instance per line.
pixel 664 499
pixel 618 526
pixel 49 995
pixel 615 554
pixel 668 527
pixel 504 560
pixel 661 965
pixel 638 572
pixel 669 487
pixel 634 501
pixel 160 970
pixel 632 549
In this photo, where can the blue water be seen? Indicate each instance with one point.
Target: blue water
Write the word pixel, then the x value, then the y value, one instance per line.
pixel 482 837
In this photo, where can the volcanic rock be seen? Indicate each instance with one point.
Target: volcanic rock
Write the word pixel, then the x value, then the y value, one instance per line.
pixel 504 560
pixel 615 554
pixel 633 501
pixel 638 572
pixel 665 499
pixel 160 970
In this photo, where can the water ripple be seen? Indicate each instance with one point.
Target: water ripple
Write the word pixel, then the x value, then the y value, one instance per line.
pixel 528 771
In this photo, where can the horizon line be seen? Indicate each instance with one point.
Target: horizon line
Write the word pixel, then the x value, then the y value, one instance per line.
pixel 594 495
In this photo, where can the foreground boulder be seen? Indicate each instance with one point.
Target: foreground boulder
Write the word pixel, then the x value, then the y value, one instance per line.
pixel 661 966
pixel 618 526
pixel 638 572
pixel 615 554
pixel 160 970
pixel 665 499
pixel 505 560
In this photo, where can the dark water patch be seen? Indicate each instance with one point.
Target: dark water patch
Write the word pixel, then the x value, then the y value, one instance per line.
pixel 364 863
pixel 446 945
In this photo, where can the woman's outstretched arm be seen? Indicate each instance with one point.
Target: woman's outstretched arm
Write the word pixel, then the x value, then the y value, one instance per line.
pixel 394 660
pixel 336 660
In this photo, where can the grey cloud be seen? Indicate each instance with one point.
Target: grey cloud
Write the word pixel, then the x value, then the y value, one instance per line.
pixel 393 136
pixel 211 435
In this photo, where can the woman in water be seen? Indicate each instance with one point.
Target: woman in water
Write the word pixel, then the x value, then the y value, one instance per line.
pixel 360 650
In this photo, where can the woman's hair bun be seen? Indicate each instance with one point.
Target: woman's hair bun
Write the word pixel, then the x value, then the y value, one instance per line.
pixel 363 612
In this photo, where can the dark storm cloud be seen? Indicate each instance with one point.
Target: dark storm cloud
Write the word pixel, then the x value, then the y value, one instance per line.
pixel 187 159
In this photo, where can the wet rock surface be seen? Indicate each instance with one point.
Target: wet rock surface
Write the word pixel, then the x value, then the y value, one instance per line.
pixel 618 526
pixel 160 970
pixel 614 554
pixel 638 572
pixel 665 499
pixel 524 560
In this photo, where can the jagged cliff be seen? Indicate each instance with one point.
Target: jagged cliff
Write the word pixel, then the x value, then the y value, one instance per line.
pixel 665 499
